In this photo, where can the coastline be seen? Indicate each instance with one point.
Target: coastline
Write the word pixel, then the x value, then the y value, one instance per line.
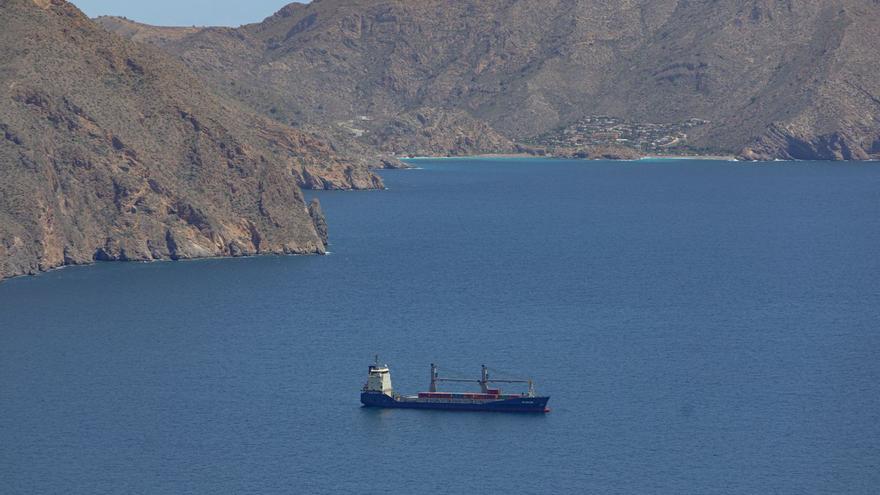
pixel 194 259
pixel 726 158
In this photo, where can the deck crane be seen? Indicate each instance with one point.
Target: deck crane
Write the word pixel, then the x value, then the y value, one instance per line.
pixel 484 380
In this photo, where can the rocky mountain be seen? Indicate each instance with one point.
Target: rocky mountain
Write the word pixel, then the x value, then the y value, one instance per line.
pixel 234 62
pixel 114 150
pixel 773 78
pixel 776 79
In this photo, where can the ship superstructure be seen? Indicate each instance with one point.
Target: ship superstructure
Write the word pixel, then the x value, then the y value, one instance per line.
pixel 378 392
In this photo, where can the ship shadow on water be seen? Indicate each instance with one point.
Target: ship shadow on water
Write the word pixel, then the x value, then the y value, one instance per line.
pixel 378 418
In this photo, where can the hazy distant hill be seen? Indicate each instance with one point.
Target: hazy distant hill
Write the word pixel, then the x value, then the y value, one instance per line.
pixel 113 150
pixel 774 78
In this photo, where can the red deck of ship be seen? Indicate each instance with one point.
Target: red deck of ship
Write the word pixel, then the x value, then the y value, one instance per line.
pixel 453 395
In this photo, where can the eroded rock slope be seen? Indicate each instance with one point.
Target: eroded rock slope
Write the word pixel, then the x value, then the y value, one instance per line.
pixel 113 150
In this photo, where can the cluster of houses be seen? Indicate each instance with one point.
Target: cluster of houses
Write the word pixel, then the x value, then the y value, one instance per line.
pixel 611 131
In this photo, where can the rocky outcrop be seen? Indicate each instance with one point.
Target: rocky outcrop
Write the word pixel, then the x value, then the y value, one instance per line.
pixel 784 143
pixel 112 150
pixel 319 220
pixel 484 73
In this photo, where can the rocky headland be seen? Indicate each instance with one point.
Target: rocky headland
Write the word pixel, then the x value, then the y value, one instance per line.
pixel 114 150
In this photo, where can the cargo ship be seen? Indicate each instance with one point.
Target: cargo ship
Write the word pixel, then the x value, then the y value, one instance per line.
pixel 377 392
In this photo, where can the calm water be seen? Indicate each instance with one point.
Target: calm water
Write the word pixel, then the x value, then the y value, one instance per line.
pixel 702 327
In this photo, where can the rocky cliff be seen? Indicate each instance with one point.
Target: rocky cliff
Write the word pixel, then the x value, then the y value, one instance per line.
pixel 113 150
pixel 773 78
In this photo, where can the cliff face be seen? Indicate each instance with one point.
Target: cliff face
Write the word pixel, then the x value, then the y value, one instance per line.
pixel 110 150
pixel 773 78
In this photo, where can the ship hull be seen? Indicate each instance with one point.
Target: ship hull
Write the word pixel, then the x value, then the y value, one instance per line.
pixel 515 404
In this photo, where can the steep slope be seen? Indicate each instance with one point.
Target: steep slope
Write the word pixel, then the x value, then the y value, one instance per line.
pixel 110 150
pixel 782 79
pixel 773 78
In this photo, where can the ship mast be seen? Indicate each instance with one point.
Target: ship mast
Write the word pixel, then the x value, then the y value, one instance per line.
pixel 434 378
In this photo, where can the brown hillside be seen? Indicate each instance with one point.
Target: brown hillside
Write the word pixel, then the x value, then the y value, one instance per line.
pixel 113 150
pixel 774 78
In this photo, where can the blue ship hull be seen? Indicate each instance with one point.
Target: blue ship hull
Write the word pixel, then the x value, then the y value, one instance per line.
pixel 514 404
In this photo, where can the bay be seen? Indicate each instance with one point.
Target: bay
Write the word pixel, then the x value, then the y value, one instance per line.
pixel 700 326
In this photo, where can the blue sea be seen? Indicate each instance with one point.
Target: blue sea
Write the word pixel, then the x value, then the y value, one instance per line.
pixel 701 327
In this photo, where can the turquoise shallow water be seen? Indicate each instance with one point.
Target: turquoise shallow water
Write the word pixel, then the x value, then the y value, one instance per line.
pixel 702 327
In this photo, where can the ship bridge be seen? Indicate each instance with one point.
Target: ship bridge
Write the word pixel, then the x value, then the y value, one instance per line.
pixel 379 379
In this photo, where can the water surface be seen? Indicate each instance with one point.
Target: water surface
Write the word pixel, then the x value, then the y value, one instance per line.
pixel 702 327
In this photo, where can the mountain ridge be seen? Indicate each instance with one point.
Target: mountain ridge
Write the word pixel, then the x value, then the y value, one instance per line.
pixel 772 78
